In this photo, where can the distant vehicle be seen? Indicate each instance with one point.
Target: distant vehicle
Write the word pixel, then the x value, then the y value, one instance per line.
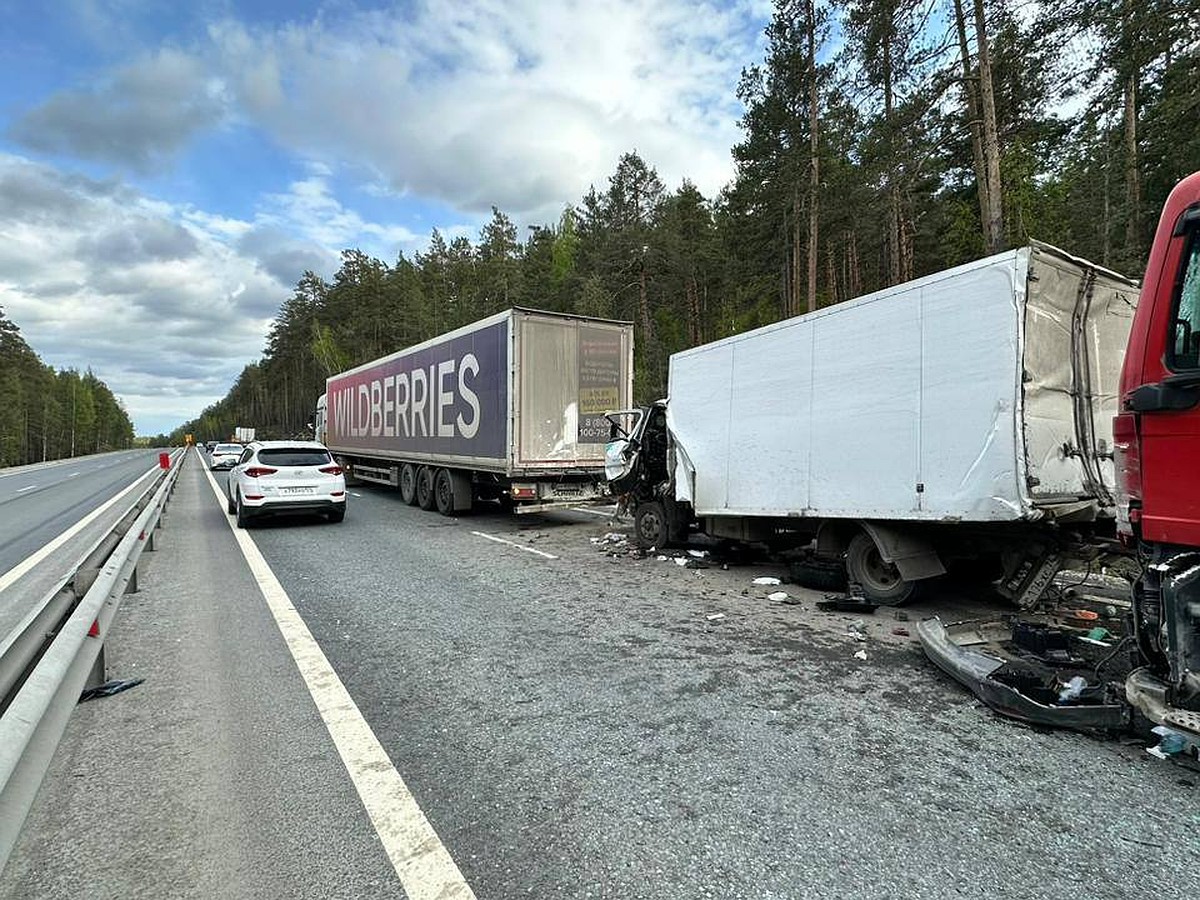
pixel 510 408
pixel 274 477
pixel 245 435
pixel 208 445
pixel 224 456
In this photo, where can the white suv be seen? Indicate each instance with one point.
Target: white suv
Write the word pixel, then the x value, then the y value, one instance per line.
pixel 285 477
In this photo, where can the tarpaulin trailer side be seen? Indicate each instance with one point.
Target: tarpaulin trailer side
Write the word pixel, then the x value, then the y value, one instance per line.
pixel 510 407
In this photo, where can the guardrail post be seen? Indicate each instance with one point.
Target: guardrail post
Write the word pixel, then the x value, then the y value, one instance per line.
pixel 132 586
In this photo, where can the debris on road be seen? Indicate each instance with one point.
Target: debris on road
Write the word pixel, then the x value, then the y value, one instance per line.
pixel 861 654
pixel 835 603
pixel 778 596
pixel 714 617
pixel 766 580
pixel 1171 743
pixel 901 631
pixel 109 688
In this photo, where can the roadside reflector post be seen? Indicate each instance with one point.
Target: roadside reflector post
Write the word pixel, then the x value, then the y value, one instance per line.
pixel 96 675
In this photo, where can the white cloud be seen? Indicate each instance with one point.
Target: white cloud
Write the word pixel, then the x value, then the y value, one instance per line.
pixel 97 276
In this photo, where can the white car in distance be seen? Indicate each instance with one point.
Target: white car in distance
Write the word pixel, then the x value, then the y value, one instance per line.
pixel 224 456
pixel 273 477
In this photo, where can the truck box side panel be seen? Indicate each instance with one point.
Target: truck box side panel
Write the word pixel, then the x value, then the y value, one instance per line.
pixel 570 372
pixel 698 416
pixel 771 398
pixel 866 407
pixel 1077 323
pixel 969 385
pixel 851 411
pixel 445 399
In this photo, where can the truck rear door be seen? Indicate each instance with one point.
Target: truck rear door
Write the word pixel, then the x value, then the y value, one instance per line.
pixel 1077 322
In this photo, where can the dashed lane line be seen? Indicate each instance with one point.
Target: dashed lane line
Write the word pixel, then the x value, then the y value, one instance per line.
pixel 500 540
pixel 38 555
pixel 424 865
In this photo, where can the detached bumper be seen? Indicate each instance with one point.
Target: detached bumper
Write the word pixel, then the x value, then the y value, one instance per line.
pixel 974 671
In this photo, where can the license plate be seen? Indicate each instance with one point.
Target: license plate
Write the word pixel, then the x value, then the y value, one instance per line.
pixel 295 490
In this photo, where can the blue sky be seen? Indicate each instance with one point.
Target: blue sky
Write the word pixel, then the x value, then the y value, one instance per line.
pixel 168 170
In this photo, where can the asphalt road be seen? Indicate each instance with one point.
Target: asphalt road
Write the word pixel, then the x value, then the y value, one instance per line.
pixel 573 725
pixel 38 503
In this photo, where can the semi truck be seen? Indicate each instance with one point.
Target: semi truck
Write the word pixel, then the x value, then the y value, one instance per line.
pixel 509 408
pixel 962 417
pixel 1158 468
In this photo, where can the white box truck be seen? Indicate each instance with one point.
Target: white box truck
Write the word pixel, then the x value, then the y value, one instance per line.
pixel 964 415
pixel 509 408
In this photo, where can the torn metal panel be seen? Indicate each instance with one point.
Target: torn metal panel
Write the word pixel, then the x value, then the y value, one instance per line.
pixel 958 653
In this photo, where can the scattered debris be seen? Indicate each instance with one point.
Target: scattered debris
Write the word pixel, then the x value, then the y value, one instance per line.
pixel 767 579
pixel 834 603
pixel 698 554
pixel 715 617
pixel 901 631
pixel 1073 689
pixel 861 654
pixel 663 558
pixel 680 561
pixel 1170 742
pixel 109 688
pixel 778 596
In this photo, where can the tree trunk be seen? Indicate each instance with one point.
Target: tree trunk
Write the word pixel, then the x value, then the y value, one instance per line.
pixel 831 282
pixel 814 179
pixel 854 282
pixel 994 224
pixel 892 244
pixel 793 307
pixel 1106 215
pixel 972 100
pixel 1133 188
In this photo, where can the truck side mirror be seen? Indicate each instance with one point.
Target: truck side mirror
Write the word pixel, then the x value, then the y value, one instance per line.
pixel 1163 397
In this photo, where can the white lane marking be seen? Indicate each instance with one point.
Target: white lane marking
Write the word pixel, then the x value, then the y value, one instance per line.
pixel 500 540
pixel 31 487
pixel 38 555
pixel 73 475
pixel 425 867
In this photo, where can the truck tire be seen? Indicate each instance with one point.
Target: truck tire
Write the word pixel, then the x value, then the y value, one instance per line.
pixel 408 484
pixel 880 580
pixel 651 528
pixel 443 492
pixel 425 498
pixel 820 574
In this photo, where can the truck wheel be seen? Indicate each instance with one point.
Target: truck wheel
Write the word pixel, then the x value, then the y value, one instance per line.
pixel 443 492
pixel 819 574
pixel 880 580
pixel 650 526
pixel 425 498
pixel 408 484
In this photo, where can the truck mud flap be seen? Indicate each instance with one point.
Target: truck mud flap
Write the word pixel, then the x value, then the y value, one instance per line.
pixel 974 670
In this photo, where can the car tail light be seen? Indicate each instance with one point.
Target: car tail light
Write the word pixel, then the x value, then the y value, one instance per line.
pixel 1127 457
pixel 337 493
pixel 255 496
pixel 331 470
pixel 524 491
pixel 259 471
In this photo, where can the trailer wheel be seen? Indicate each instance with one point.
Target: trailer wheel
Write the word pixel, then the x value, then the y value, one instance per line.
pixel 650 525
pixel 443 492
pixel 425 498
pixel 880 580
pixel 408 484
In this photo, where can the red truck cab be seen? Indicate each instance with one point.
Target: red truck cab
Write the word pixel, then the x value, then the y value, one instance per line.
pixel 1157 452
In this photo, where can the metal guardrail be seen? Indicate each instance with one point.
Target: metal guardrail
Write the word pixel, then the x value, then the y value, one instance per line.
pixel 58 650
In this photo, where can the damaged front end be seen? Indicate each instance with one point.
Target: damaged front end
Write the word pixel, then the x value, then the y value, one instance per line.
pixel 1167 626
pixel 1034 671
